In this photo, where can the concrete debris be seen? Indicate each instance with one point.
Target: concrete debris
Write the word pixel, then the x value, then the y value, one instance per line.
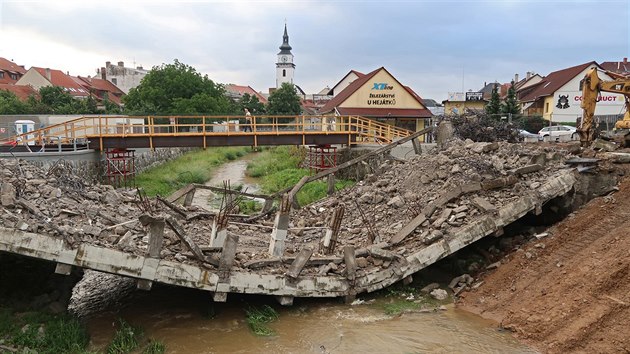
pixel 408 206
pixel 439 294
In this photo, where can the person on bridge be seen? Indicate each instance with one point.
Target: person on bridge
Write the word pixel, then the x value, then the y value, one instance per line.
pixel 248 121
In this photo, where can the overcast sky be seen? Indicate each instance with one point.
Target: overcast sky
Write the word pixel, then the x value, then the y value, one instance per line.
pixel 433 46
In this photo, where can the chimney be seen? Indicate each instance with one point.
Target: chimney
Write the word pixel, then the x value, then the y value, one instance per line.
pixel 103 74
pixel 515 77
pixel 121 64
pixel 108 64
pixel 48 76
pixel 528 75
pixel 625 60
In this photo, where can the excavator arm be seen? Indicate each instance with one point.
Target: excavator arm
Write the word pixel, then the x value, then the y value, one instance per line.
pixel 591 88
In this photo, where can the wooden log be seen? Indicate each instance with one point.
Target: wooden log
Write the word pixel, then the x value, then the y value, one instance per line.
pixel 300 261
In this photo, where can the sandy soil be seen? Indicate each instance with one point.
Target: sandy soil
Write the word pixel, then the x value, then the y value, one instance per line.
pixel 569 292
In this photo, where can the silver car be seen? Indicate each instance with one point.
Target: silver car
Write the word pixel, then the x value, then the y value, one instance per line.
pixel 558 132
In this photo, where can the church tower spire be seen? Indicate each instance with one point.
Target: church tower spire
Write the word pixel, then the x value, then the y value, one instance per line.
pixel 285 68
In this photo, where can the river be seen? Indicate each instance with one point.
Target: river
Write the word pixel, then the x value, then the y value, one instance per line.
pixel 179 317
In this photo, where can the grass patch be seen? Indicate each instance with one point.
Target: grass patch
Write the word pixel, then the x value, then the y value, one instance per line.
pixel 43 333
pixel 279 168
pixel 258 318
pixel 193 167
pixel 400 306
pixel 126 339
pixel 154 347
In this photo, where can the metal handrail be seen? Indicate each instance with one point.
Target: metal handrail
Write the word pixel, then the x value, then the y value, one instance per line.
pixel 98 127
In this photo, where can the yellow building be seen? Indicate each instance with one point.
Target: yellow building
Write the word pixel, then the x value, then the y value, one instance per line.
pixel 460 102
pixel 379 96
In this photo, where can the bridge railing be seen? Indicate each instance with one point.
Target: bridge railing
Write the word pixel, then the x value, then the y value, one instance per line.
pixel 96 127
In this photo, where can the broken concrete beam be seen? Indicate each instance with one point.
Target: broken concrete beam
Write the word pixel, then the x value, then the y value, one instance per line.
pixel 381 253
pixel 351 262
pixel 499 182
pixel 293 193
pixel 300 261
pixel 471 187
pixel 179 231
pixel 452 194
pixel 7 195
pixel 443 217
pixel 190 196
pixel 600 144
pixel 432 237
pixel 483 205
pixel 407 229
pixel 330 239
pixel 279 233
pixel 156 233
pixel 180 193
pixel 227 257
pixel 330 183
pixel 217 235
pixel 527 169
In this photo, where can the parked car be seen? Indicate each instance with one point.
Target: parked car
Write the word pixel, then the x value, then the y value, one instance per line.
pixel 558 132
pixel 524 134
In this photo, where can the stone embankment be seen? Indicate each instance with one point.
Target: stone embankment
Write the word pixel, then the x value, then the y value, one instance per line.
pixel 397 221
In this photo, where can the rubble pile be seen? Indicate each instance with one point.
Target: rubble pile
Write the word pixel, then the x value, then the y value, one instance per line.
pixel 449 189
pixel 487 176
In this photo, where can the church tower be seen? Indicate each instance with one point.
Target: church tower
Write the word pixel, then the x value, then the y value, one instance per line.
pixel 285 69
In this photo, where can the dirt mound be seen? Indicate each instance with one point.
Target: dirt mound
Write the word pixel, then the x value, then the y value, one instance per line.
pixel 569 292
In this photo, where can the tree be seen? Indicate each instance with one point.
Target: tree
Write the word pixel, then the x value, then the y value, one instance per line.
pixel 252 103
pixel 284 101
pixel 176 89
pixel 510 106
pixel 11 104
pixel 494 106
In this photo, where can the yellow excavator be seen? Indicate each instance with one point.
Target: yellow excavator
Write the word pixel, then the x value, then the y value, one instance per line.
pixel 591 88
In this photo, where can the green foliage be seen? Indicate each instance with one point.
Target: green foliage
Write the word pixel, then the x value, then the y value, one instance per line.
pixel 252 103
pixel 258 318
pixel 284 101
pixel 273 160
pixel 11 104
pixel 530 123
pixel 511 106
pixel 193 167
pixel 125 339
pixel 494 106
pixel 248 206
pixel 398 307
pixel 44 333
pixel 154 347
pixel 177 89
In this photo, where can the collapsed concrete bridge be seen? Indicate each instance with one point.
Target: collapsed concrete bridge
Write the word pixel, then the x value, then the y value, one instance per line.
pixel 401 219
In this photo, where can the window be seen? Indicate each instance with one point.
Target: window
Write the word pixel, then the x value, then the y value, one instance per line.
pixel 547 107
pixel 284 72
pixel 114 81
pixel 1 75
pixel 13 76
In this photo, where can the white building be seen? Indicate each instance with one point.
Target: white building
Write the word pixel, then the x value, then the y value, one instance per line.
pixel 119 75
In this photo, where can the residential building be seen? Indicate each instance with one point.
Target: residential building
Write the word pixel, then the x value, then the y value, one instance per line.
pixel 124 78
pixel 236 92
pixel 558 95
pixel 10 72
pixel 459 103
pixel 42 77
pixel 22 92
pixel 101 90
pixel 619 67
pixel 380 96
pixel 345 82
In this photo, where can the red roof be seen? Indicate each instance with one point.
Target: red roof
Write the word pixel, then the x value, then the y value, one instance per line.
pixel 8 67
pixel 374 112
pixel 384 112
pixel 621 67
pixel 552 82
pixel 241 90
pixel 21 91
pixel 99 88
pixel 348 91
pixel 58 78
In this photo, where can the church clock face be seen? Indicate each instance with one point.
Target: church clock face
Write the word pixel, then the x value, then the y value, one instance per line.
pixel 285 58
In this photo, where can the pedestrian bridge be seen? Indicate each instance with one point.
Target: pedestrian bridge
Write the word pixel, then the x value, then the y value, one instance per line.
pixel 123 132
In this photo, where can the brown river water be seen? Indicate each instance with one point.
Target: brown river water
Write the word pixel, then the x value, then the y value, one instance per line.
pixel 187 321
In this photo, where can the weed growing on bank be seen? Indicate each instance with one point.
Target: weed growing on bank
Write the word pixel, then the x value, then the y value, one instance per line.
pixel 42 333
pixel 258 318
pixel 193 167
pixel 279 168
pixel 154 348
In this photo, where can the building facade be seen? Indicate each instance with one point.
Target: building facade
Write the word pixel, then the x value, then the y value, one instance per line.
pixel 124 78
pixel 285 67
